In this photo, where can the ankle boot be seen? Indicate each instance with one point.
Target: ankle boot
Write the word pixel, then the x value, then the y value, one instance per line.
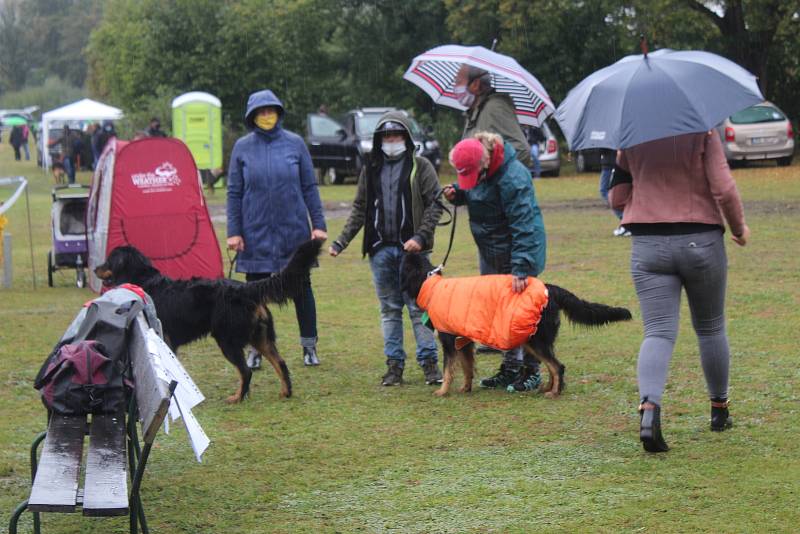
pixel 650 427
pixel 720 417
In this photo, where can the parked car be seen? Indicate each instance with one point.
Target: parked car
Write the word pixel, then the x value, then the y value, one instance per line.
pixel 757 133
pixel 587 160
pixel 549 155
pixel 339 148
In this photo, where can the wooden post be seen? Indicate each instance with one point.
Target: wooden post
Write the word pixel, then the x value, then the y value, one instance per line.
pixel 7 270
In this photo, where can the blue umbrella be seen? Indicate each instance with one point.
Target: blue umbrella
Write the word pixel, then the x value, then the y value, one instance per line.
pixel 645 97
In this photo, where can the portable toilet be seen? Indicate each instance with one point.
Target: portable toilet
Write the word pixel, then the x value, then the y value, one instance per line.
pixel 197 121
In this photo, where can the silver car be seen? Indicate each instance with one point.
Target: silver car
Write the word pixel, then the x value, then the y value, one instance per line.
pixel 757 133
pixel 549 157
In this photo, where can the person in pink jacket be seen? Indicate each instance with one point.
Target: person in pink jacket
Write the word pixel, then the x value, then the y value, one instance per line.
pixel 677 194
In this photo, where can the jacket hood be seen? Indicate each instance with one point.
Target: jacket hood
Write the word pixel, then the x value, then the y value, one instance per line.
pixel 393 116
pixel 260 99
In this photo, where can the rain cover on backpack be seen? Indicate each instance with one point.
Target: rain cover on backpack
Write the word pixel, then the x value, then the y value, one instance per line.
pixel 86 371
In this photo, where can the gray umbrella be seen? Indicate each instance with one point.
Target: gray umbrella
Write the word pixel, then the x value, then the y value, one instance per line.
pixel 650 96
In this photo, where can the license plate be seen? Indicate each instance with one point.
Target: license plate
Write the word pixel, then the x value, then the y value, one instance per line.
pixel 763 140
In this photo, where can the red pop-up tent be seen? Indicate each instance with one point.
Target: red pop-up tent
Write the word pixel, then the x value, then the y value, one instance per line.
pixel 147 193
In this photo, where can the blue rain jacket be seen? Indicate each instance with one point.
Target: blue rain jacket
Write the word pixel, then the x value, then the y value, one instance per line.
pixel 272 192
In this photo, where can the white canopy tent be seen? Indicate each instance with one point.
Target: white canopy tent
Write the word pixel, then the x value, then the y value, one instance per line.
pixel 82 110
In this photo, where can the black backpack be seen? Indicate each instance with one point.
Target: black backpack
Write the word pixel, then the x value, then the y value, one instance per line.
pixel 87 373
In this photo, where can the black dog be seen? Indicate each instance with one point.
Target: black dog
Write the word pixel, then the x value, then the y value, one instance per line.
pixel 415 271
pixel 234 313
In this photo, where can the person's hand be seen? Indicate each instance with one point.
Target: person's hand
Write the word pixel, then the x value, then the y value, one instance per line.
pixel 449 192
pixel 333 251
pixel 235 242
pixel 518 284
pixel 742 239
pixel 316 233
pixel 411 246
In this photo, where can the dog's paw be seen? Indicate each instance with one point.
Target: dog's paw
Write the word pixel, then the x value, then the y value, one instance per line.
pixel 233 399
pixel 551 395
pixel 440 392
pixel 465 389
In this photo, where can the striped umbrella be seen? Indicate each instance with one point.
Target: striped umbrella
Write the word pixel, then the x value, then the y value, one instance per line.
pixel 435 72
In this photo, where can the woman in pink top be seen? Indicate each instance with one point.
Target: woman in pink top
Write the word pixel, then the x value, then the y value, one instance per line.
pixel 677 193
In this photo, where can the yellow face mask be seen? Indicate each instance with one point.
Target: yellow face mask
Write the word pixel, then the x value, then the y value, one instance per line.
pixel 267 120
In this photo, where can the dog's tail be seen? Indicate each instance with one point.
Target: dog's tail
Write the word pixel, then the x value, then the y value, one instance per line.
pixel 287 284
pixel 583 312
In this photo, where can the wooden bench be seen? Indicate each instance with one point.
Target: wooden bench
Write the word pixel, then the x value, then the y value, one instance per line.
pixel 114 450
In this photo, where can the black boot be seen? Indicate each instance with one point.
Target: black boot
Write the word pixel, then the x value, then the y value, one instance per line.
pixel 720 417
pixel 650 427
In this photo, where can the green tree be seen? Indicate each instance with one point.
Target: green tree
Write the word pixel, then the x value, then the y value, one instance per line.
pixel 13 50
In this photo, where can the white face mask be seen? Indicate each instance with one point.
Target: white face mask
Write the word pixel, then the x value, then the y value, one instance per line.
pixel 463 95
pixel 393 150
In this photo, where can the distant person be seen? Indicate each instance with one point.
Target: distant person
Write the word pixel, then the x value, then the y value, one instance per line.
pixel 323 109
pixel 15 140
pixel 106 133
pixel 154 130
pixel 607 159
pixel 67 154
pixel 677 193
pixel 272 196
pixel 489 110
pixel 396 206
pixel 535 135
pixel 97 131
pixel 25 135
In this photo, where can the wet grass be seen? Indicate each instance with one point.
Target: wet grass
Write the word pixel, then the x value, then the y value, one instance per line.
pixel 345 455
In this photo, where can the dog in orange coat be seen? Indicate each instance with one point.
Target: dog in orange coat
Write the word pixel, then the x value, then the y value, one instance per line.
pixel 532 319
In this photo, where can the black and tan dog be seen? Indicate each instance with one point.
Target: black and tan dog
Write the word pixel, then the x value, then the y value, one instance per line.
pixel 539 346
pixel 234 313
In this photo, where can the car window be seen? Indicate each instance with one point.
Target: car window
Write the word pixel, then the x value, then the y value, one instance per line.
pixel 756 114
pixel 321 126
pixel 365 124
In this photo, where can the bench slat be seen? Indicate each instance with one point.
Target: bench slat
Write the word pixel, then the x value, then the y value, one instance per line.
pixel 152 394
pixel 55 488
pixel 106 484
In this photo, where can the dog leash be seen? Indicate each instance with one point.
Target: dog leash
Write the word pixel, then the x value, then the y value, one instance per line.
pixel 232 262
pixel 452 222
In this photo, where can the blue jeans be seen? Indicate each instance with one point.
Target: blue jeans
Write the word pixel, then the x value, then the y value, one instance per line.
pixel 305 308
pixel 385 265
pixel 605 179
pixel 69 168
pixel 537 167
pixel 502 265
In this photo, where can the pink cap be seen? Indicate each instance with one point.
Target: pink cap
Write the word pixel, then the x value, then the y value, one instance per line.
pixel 466 158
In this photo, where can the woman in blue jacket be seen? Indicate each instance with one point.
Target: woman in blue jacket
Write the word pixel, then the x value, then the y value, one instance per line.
pixel 272 192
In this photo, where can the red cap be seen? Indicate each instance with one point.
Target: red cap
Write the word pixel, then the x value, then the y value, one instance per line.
pixel 466 158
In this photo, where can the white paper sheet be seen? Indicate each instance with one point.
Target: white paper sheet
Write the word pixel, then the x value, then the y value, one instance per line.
pixel 197 437
pixel 186 395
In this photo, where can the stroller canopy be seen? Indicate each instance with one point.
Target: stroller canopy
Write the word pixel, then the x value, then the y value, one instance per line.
pixel 147 193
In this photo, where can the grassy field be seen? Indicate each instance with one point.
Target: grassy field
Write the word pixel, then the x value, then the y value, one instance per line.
pixel 346 455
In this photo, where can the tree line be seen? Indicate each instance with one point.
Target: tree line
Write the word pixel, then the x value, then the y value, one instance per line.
pixel 139 54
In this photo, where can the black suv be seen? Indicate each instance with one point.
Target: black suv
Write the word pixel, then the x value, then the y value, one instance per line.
pixel 340 148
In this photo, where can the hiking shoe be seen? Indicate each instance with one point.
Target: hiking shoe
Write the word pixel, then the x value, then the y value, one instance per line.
pixel 620 230
pixel 254 360
pixel 527 380
pixel 433 376
pixel 310 356
pixel 394 374
pixel 502 379
pixel 720 416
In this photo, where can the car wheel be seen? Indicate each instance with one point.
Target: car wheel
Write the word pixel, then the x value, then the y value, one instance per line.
pixel 580 162
pixel 555 173
pixel 785 162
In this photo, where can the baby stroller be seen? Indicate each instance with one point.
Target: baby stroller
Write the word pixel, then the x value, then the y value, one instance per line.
pixel 68 221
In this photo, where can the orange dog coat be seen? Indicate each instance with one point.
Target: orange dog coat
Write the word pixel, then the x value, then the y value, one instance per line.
pixel 484 308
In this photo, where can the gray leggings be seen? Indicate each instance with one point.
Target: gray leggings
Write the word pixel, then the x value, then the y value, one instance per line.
pixel 661 266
